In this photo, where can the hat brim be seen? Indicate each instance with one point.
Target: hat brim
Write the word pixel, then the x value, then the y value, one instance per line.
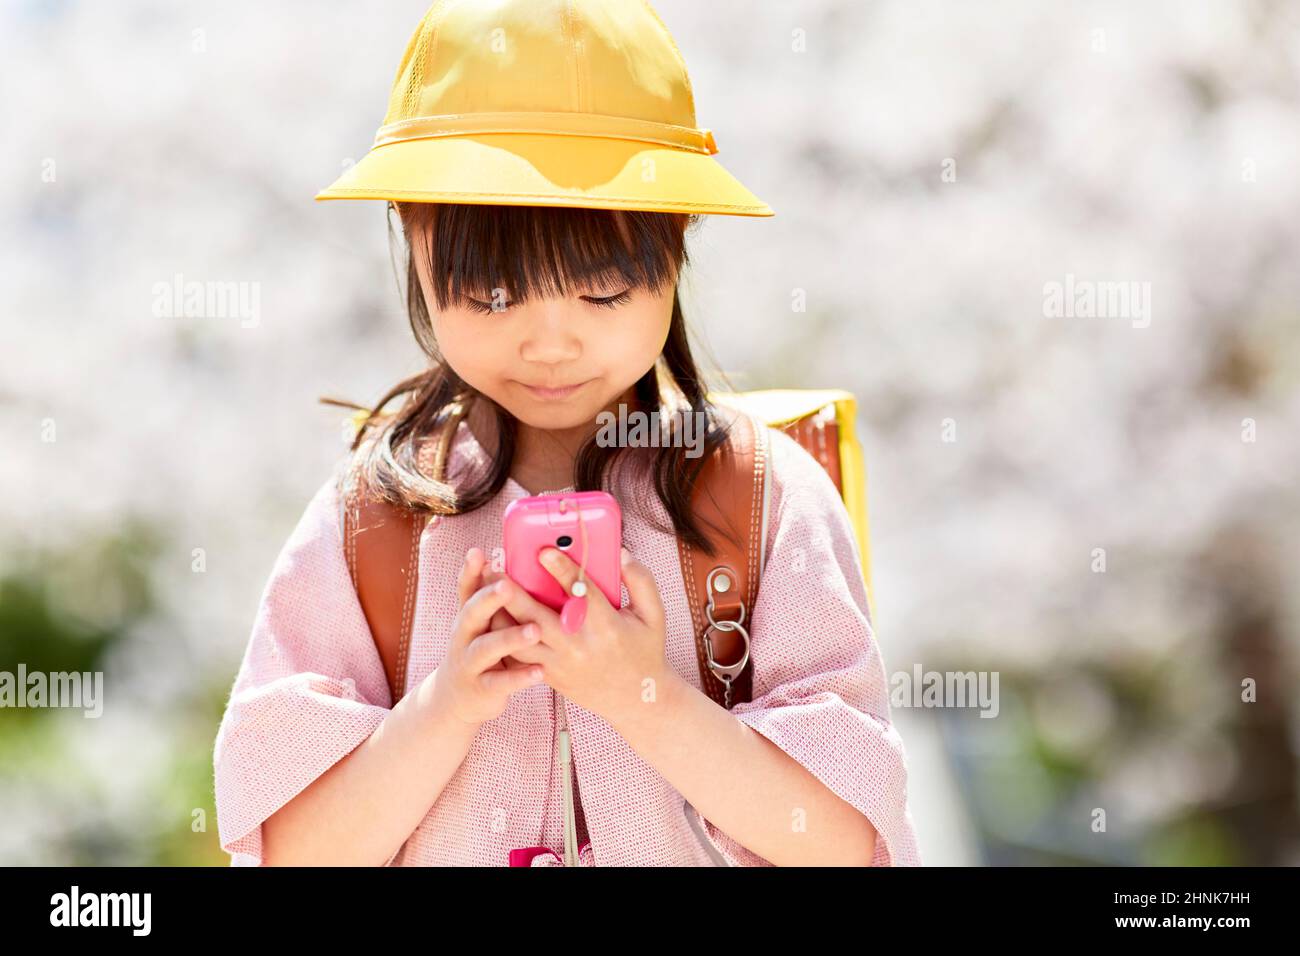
pixel 537 169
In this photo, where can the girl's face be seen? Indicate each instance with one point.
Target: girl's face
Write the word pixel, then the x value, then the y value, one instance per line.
pixel 600 338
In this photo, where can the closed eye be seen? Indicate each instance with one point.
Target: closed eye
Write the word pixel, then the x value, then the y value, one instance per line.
pixel 604 302
pixel 485 307
pixel 610 301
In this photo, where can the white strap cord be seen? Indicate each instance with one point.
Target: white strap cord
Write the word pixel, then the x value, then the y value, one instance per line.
pixel 566 769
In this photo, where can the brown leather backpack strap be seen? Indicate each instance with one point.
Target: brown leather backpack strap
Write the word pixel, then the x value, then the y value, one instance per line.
pixel 382 544
pixel 384 561
pixel 731 496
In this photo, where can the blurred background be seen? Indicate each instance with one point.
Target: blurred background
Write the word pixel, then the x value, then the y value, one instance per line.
pixel 1102 510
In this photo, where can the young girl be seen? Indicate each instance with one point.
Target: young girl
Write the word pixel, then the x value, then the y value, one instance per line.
pixel 545 163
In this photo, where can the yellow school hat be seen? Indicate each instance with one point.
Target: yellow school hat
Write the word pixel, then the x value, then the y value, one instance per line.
pixel 580 103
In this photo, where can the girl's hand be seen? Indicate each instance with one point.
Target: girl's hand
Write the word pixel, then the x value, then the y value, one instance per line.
pixel 473 683
pixel 616 662
pixel 474 575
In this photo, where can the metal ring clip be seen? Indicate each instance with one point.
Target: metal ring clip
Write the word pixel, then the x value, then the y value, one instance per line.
pixel 726 672
pixel 719 581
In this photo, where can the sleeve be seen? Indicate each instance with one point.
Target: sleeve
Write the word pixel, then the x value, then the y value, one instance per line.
pixel 819 687
pixel 310 689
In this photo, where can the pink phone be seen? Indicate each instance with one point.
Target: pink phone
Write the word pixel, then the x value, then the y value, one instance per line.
pixel 570 522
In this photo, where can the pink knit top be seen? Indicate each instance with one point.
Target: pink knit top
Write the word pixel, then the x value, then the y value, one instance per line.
pixel 311 688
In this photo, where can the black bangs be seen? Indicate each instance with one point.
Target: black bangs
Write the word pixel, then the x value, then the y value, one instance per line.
pixel 543 251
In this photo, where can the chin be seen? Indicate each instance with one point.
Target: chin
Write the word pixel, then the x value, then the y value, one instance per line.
pixel 554 416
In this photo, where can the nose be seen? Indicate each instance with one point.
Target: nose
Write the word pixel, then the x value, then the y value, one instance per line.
pixel 550 336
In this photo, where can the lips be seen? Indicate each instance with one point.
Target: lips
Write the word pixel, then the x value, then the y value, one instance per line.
pixel 554 392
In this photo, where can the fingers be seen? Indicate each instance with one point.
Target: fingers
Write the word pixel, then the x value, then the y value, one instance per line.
pixel 642 591
pixel 523 607
pixel 511 679
pixel 501 619
pixel 475 572
pixel 477 613
pixel 489 649
pixel 471 570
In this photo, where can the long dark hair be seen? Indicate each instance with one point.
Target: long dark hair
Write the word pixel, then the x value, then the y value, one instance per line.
pixel 473 249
